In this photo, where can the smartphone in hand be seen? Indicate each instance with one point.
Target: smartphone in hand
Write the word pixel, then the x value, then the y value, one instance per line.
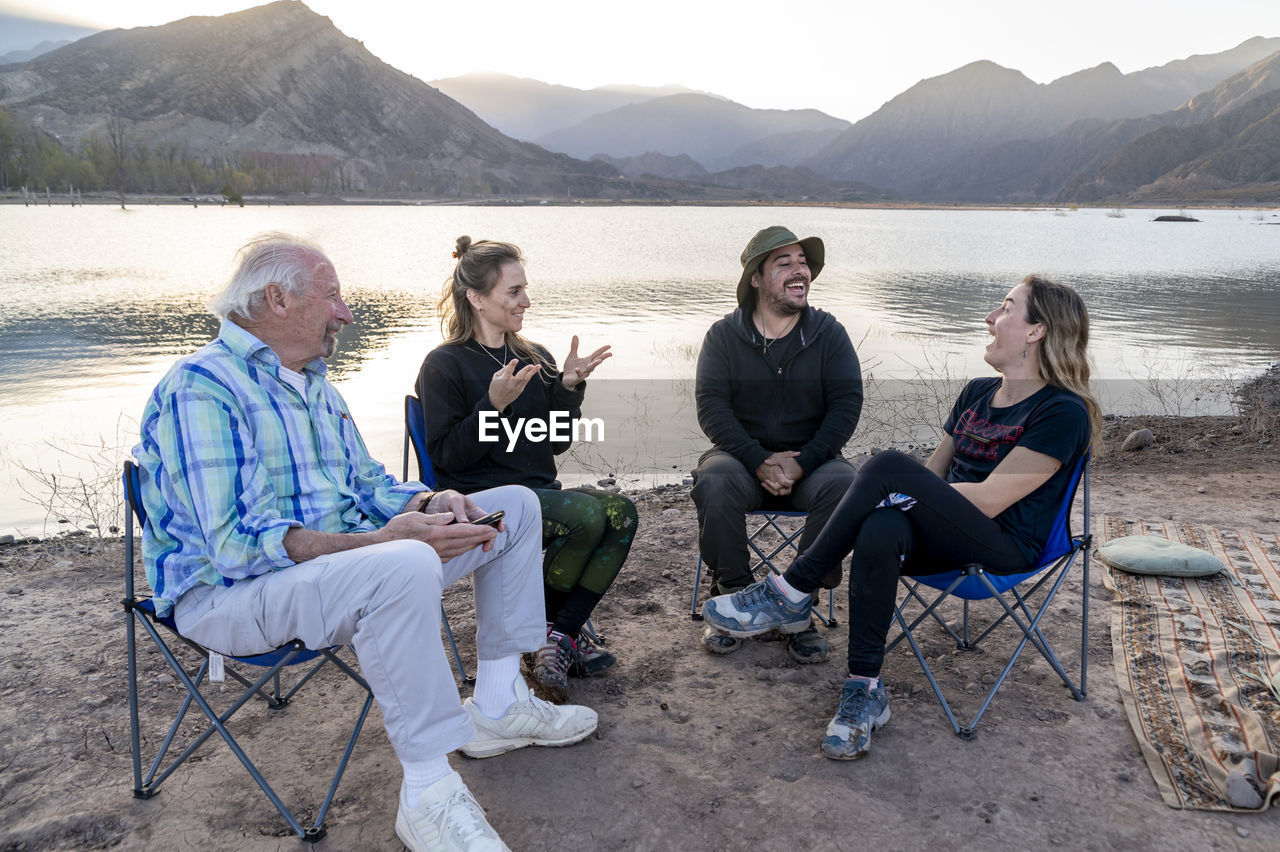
pixel 490 520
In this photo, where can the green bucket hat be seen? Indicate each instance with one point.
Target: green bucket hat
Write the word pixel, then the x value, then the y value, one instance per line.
pixel 768 240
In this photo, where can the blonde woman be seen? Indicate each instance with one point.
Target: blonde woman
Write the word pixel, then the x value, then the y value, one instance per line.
pixel 486 369
pixel 989 493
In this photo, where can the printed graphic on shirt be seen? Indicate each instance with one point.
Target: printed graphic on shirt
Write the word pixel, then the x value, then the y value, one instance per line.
pixel 980 438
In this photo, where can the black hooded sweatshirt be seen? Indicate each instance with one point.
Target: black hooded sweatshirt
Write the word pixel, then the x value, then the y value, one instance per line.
pixel 753 403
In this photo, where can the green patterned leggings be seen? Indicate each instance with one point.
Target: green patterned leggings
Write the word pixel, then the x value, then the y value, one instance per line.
pixel 587 534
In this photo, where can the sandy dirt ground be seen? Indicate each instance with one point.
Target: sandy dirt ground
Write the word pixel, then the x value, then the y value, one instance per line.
pixel 693 751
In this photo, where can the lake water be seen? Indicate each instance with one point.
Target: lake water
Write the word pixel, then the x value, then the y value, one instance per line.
pixel 97 302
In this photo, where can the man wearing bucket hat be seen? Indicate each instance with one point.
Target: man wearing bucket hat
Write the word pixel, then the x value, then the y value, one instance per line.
pixel 779 391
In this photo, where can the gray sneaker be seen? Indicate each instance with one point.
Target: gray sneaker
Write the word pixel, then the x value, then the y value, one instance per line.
pixel 756 609
pixel 862 711
pixel 719 643
pixel 808 646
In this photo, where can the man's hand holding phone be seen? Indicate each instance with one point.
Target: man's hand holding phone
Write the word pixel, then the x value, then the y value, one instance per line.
pixel 454 524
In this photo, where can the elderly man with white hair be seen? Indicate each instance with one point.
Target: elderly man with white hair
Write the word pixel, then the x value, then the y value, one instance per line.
pixel 270 522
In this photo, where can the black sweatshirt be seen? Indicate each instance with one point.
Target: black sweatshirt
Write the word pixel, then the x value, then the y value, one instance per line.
pixel 453 386
pixel 752 408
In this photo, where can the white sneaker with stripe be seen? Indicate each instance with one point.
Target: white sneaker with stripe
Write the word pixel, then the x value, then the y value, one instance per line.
pixel 528 721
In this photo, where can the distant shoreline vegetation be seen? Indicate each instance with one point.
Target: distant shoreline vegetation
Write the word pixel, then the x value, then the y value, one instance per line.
pixel 61 198
pixel 112 167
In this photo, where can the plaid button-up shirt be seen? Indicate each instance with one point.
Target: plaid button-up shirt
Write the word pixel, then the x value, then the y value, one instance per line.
pixel 232 457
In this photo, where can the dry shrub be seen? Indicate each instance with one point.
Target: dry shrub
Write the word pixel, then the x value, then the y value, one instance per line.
pixel 1259 403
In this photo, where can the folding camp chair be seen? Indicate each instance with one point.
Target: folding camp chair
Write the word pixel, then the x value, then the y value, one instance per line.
pixel 415 435
pixel 788 542
pixel 140 611
pixel 973 583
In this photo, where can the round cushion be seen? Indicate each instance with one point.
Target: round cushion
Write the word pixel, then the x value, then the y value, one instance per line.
pixel 1151 554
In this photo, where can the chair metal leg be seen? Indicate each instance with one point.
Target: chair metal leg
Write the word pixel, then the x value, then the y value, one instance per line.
pixel 453 645
pixel 1019 612
pixel 693 601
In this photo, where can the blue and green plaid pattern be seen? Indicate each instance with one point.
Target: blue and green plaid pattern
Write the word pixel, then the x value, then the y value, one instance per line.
pixel 232 457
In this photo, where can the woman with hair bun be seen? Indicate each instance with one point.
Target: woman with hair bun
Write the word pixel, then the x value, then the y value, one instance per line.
pixel 989 493
pixel 486 369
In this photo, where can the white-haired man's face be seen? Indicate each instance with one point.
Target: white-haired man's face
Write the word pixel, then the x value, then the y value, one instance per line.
pixel 317 315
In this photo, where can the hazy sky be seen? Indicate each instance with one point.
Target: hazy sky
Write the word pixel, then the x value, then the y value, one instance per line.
pixel 845 57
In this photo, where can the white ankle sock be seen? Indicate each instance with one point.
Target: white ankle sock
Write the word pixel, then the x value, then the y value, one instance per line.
pixel 792 594
pixel 421 774
pixel 496 685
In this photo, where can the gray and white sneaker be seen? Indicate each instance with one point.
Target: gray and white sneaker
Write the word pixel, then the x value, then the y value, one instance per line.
pixel 862 710
pixel 528 721
pixel 446 818
pixel 757 609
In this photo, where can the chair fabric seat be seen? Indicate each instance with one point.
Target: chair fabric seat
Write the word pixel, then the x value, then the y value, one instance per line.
pixel 973 589
pixel 270 658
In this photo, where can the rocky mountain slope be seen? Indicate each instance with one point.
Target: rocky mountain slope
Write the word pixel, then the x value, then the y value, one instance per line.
pixel 909 143
pixel 280 80
pixel 1092 159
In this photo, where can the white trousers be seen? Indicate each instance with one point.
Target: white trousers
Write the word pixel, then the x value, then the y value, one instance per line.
pixel 384 601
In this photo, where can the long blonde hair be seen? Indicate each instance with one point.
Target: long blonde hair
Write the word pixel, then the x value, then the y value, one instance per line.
pixel 478 268
pixel 1064 355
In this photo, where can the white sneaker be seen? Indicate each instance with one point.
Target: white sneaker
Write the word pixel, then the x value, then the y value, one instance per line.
pixel 446 818
pixel 529 721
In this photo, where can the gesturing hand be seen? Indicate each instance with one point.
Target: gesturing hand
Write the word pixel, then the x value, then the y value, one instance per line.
pixel 507 384
pixel 578 367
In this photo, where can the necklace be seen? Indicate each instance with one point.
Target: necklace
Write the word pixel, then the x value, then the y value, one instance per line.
pixel 769 341
pixel 485 350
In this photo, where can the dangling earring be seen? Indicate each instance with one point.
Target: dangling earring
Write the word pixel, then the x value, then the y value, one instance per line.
pixel 1024 355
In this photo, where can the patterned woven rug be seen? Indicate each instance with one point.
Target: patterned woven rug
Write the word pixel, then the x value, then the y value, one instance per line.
pixel 1192 658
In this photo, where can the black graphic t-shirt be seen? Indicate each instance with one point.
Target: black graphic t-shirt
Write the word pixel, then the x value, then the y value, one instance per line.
pixel 1051 421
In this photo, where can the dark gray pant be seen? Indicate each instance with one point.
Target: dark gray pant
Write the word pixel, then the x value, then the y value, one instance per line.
pixel 724 491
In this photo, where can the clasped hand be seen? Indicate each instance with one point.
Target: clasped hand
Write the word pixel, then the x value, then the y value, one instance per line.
pixel 779 472
pixel 437 528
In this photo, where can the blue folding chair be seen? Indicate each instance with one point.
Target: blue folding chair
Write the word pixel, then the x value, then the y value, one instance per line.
pixel 140 612
pixel 788 541
pixel 974 583
pixel 415 435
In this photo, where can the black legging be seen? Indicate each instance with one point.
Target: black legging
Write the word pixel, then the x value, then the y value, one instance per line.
pixel 938 532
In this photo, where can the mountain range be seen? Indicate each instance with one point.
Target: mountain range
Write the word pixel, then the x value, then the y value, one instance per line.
pixel 279 84
pixel 526 109
pixel 281 81
pixel 921 142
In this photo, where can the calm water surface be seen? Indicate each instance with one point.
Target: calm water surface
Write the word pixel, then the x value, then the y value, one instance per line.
pixel 97 302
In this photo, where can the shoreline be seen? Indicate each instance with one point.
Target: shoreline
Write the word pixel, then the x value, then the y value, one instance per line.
pixel 11 198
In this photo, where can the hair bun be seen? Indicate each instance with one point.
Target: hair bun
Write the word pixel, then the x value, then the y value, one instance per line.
pixel 460 248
